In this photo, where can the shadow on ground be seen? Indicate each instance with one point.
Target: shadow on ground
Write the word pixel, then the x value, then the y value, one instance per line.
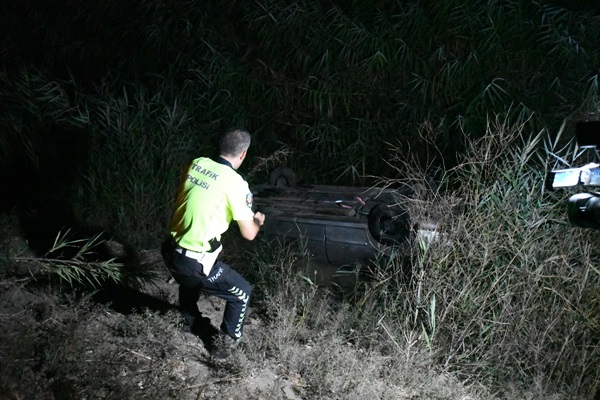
pixel 126 300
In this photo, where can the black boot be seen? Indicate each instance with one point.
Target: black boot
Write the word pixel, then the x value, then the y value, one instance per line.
pixel 223 346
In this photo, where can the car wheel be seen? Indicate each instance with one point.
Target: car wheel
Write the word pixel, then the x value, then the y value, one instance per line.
pixel 389 225
pixel 283 177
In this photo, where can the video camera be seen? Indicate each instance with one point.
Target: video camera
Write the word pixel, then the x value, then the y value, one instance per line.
pixel 583 208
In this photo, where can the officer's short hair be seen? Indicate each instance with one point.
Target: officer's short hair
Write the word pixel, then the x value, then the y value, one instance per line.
pixel 234 142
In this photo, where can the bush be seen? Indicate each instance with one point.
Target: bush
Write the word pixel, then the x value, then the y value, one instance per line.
pixel 509 295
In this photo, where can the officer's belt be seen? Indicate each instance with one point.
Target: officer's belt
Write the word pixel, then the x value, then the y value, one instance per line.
pixel 214 244
pixel 206 258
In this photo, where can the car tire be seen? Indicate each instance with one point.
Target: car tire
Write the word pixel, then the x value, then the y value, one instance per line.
pixel 389 225
pixel 283 177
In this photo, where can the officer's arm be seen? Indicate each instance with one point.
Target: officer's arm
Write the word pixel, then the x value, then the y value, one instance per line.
pixel 249 228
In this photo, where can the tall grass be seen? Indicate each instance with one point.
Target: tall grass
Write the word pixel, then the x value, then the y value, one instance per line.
pixel 506 299
pixel 331 348
pixel 508 296
pixel 332 82
pixel 342 80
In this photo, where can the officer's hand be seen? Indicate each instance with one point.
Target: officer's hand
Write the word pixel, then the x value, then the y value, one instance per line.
pixel 259 218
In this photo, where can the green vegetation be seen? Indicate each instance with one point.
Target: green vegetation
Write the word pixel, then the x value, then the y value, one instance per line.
pixel 102 104
pixel 507 297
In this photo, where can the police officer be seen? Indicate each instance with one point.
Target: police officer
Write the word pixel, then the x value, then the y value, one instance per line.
pixel 211 194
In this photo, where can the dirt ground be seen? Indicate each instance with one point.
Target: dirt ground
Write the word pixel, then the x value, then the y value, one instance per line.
pixel 201 370
pixel 57 343
pixel 60 346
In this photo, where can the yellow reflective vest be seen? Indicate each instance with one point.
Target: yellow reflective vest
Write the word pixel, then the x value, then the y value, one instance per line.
pixel 209 197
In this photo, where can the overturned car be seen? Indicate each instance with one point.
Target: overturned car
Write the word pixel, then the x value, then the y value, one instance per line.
pixel 341 225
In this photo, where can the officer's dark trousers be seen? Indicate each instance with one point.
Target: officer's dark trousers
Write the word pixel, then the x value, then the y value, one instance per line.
pixel 222 281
